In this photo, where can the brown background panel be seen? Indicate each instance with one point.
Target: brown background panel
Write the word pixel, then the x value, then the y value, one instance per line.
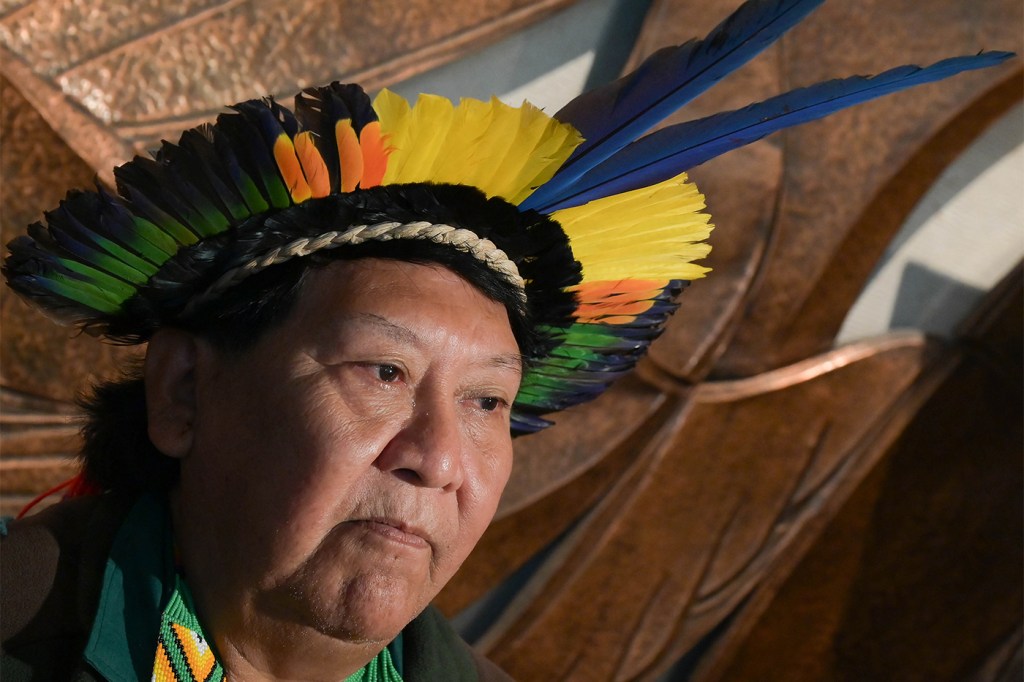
pixel 114 87
pixel 707 507
pixel 920 576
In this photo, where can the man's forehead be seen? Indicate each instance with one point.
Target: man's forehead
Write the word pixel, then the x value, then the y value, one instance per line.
pixel 373 280
pixel 405 301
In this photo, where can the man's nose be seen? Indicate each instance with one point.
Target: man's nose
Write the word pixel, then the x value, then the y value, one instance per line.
pixel 427 451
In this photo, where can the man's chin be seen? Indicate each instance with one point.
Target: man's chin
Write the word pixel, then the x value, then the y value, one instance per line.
pixel 367 610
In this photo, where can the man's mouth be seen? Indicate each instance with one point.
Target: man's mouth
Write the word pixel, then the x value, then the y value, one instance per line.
pixel 396 531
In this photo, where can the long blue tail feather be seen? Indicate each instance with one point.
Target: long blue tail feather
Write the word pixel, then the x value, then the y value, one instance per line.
pixel 612 116
pixel 667 152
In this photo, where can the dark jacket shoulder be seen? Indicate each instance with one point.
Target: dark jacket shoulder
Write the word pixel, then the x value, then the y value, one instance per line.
pixel 51 571
pixel 433 651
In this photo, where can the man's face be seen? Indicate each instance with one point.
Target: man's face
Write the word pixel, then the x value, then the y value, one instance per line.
pixel 347 464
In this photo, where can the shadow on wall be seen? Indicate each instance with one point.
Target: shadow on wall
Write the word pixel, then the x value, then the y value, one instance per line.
pixel 547 63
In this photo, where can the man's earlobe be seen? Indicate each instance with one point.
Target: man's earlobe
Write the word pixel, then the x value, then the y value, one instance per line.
pixel 170 373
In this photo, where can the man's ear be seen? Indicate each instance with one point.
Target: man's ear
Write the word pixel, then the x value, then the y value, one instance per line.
pixel 170 373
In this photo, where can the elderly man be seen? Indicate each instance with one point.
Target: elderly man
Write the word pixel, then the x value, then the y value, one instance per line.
pixel 349 308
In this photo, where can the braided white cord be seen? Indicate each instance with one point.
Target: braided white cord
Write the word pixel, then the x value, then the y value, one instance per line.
pixel 464 240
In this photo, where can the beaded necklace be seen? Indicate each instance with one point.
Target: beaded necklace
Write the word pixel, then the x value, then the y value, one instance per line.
pixel 184 654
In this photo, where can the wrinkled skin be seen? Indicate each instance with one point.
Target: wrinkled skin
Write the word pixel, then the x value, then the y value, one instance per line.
pixel 336 474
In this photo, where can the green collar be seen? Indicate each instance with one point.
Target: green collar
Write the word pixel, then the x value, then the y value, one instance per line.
pixel 137 582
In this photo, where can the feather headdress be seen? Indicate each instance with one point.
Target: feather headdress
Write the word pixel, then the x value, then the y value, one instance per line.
pixel 608 232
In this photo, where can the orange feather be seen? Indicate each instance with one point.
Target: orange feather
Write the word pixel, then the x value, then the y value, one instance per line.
pixel 375 154
pixel 313 166
pixel 618 302
pixel 350 156
pixel 291 169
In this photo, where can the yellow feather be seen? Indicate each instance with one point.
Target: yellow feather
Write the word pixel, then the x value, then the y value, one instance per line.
pixel 504 151
pixel 650 233
pixel 468 146
pixel 393 111
pixel 555 144
pixel 428 125
pixel 496 132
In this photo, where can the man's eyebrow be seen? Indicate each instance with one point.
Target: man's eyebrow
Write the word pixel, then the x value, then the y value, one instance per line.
pixel 389 328
pixel 513 361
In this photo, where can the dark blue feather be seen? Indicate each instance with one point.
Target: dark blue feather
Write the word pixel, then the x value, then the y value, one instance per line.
pixel 253 135
pixel 524 423
pixel 667 152
pixel 612 116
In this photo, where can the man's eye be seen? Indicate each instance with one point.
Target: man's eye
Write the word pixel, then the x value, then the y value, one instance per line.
pixel 388 373
pixel 490 404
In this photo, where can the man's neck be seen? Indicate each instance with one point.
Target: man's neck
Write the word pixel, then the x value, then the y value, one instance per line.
pixel 254 641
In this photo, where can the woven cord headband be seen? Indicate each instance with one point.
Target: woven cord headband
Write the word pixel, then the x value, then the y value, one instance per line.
pixel 591 219
pixel 483 250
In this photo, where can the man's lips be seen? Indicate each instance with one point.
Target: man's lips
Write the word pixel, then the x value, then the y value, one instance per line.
pixel 396 531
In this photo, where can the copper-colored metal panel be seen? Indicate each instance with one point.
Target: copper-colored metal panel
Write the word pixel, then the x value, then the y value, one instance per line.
pixel 130 74
pixel 547 461
pixel 39 436
pixel 705 512
pixel 921 575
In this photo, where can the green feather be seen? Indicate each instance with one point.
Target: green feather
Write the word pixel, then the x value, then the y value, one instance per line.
pixel 251 193
pixel 145 268
pixel 113 266
pixel 80 292
pixel 120 290
pixel 279 196
pixel 154 243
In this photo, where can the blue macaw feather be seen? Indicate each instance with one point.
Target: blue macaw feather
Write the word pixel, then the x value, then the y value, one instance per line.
pixel 523 423
pixel 612 116
pixel 197 154
pixel 667 152
pixel 244 132
pixel 140 235
pixel 68 231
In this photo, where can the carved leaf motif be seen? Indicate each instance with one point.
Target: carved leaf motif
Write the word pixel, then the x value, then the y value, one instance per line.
pixel 926 549
pixel 113 78
pixel 712 502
